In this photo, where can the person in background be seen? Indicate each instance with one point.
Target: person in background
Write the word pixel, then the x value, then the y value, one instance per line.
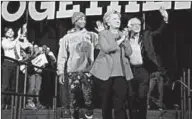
pixel 143 61
pixel 49 54
pixel 112 68
pixel 157 78
pixel 34 83
pixel 77 52
pixel 48 78
pixel 11 46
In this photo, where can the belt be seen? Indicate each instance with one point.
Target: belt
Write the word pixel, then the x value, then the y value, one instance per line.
pixel 137 66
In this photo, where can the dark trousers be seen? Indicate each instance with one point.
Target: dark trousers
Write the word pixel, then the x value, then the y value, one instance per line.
pixel 159 82
pixel 8 80
pixel 140 86
pixel 114 90
pixel 47 88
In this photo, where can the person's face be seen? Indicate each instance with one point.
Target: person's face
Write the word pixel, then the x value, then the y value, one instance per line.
pixel 135 26
pixel 44 48
pixel 30 50
pixel 36 48
pixel 9 33
pixel 114 21
pixel 80 23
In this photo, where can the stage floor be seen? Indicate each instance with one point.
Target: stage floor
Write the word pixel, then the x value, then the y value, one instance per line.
pixel 49 114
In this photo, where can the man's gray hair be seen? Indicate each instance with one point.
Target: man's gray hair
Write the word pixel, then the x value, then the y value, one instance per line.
pixel 133 20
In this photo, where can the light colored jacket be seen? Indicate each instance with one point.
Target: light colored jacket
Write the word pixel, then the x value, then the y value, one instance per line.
pixel 102 67
pixel 77 51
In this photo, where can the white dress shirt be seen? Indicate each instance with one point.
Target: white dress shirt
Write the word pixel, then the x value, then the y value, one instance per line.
pixel 135 57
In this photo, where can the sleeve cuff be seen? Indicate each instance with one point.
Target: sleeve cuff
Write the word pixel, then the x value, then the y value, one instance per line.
pixel 60 72
pixel 165 20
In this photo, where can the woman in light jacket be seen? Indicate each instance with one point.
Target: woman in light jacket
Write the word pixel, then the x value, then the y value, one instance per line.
pixel 112 66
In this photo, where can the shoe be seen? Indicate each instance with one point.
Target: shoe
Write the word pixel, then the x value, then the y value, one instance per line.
pixel 5 107
pixel 89 114
pixel 148 107
pixel 31 106
pixel 160 109
pixel 65 113
pixel 74 114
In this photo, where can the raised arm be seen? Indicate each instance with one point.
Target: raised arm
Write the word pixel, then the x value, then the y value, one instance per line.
pixel 164 14
pixel 18 35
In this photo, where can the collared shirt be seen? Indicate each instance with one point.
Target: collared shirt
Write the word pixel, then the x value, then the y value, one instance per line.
pixel 135 57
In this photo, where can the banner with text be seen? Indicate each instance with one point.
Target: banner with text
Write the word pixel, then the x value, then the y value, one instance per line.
pixel 52 10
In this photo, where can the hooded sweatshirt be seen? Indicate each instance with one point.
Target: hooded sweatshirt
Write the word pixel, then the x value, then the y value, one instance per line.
pixel 77 51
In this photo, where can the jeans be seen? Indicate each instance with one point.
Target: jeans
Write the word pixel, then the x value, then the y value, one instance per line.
pixel 159 82
pixel 8 80
pixel 35 81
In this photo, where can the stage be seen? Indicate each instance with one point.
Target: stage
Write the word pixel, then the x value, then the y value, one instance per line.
pixel 49 114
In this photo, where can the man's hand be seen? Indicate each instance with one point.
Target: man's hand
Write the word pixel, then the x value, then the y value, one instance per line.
pixel 123 37
pixel 100 27
pixel 61 79
pixel 25 25
pixel 19 32
pixel 164 13
pixel 155 75
pixel 125 32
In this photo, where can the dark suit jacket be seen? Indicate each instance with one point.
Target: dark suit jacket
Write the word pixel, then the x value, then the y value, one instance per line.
pixel 149 55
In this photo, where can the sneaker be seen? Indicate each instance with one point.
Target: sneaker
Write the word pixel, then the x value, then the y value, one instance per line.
pixel 31 106
pixel 89 114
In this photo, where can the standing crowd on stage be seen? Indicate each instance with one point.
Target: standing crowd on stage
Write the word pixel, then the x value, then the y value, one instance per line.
pixel 126 68
pixel 17 47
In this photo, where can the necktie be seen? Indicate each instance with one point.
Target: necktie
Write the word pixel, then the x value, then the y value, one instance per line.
pixel 141 44
pixel 16 53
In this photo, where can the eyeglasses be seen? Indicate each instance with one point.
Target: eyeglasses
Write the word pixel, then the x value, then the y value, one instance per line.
pixel 135 24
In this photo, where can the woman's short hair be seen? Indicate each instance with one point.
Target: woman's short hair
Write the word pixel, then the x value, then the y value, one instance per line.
pixel 7 28
pixel 107 16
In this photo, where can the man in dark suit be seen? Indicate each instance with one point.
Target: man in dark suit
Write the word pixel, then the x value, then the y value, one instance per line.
pixel 143 61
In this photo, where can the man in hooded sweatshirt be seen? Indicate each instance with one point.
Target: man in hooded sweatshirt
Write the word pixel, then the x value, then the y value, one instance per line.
pixel 75 58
